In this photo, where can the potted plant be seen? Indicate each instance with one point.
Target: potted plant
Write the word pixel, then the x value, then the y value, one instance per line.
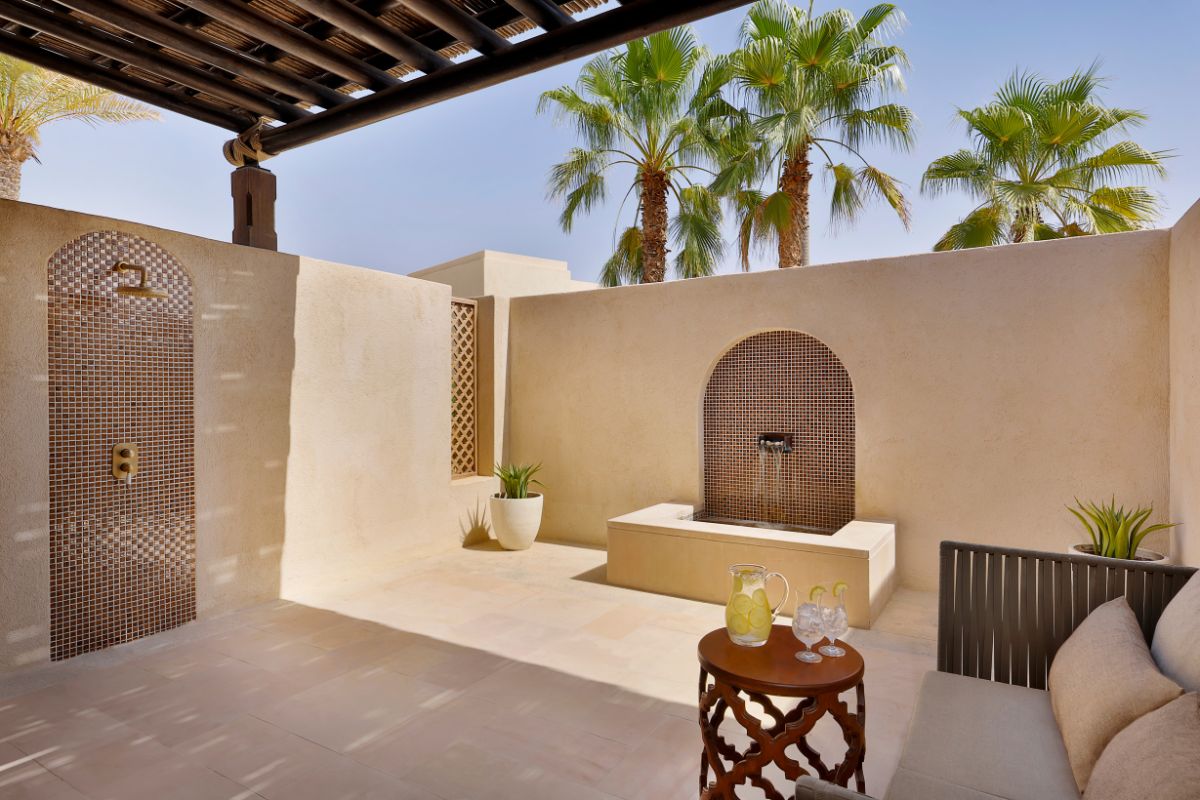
pixel 1115 532
pixel 516 512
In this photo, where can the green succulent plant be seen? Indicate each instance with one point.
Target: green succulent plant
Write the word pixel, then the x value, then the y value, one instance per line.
pixel 1115 532
pixel 515 479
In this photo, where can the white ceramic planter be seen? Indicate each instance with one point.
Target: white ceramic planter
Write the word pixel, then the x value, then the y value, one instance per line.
pixel 516 522
pixel 1144 554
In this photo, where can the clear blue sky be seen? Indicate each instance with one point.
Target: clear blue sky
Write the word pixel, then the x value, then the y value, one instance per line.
pixel 469 174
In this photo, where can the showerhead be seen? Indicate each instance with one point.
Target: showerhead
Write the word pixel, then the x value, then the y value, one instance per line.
pixel 141 289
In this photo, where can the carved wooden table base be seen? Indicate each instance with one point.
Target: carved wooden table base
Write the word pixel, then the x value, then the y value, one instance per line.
pixel 723 767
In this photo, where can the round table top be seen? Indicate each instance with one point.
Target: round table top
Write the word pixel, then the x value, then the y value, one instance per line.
pixel 774 669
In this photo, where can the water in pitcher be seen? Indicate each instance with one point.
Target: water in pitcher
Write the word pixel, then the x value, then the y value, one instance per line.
pixel 748 614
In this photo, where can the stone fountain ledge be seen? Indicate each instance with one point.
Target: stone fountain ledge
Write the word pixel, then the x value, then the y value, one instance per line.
pixel 658 549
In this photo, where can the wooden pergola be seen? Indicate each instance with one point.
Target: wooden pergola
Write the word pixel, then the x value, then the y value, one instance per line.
pixel 282 73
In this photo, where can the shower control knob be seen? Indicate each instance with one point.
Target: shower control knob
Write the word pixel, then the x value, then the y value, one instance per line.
pixel 125 454
pixel 123 467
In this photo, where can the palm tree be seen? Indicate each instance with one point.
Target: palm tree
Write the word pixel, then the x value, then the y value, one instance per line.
pixel 1041 163
pixel 643 108
pixel 32 98
pixel 814 87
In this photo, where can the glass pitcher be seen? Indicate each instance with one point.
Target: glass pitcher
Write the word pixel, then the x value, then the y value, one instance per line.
pixel 748 614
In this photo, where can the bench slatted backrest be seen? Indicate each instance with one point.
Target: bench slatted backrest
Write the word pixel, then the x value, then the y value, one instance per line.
pixel 1004 612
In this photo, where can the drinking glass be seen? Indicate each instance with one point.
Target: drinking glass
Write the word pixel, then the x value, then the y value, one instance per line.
pixel 809 627
pixel 835 623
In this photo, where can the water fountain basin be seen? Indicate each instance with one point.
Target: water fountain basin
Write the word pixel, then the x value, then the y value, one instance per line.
pixel 662 549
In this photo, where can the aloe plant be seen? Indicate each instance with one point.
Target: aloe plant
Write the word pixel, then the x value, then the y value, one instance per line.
pixel 515 479
pixel 1115 532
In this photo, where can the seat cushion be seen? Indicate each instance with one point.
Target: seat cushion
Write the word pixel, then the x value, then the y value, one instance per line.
pixel 1102 679
pixel 970 738
pixel 1157 756
pixel 1176 646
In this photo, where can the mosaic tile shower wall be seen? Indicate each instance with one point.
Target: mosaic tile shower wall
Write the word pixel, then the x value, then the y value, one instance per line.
pixel 780 382
pixel 122 554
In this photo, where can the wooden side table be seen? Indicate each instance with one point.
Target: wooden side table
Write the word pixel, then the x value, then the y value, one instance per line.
pixel 731 675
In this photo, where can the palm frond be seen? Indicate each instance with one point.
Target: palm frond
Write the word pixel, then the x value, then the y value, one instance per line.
pixel 696 232
pixel 983 227
pixel 626 264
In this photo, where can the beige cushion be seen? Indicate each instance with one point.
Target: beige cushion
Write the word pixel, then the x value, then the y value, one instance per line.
pixel 971 738
pixel 1157 756
pixel 1176 645
pixel 1102 679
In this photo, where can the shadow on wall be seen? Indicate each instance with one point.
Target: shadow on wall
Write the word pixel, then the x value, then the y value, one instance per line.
pixel 245 356
pixel 474 525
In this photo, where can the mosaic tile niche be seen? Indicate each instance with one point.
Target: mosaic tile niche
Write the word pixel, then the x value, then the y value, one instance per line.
pixel 122 554
pixel 782 382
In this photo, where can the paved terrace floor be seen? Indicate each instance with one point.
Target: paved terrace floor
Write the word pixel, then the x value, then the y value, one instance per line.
pixel 475 674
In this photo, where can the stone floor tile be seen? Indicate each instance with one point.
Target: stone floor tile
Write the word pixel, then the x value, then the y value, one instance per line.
pixel 23 778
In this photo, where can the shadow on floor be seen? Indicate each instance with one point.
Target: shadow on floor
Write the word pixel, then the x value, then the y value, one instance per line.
pixel 292 701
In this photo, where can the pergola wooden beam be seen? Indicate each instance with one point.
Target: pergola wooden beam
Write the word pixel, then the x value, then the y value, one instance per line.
pixel 64 27
pixel 172 35
pixel 301 45
pixel 636 19
pixel 116 81
pixel 246 65
pixel 545 15
pixel 458 23
pixel 363 26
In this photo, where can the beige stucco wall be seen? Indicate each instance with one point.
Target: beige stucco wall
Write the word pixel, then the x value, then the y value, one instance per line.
pixel 243 362
pixel 322 419
pixel 1185 386
pixel 498 274
pixel 369 469
pixel 991 387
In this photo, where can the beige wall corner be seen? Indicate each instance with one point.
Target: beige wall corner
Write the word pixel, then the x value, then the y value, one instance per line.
pixel 1185 387
pixel 991 386
pixel 491 272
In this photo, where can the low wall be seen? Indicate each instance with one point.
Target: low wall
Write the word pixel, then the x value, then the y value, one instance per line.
pixel 991 386
pixel 321 414
pixel 1185 386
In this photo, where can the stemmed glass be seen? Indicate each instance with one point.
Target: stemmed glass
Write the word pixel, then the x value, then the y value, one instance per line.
pixel 834 624
pixel 808 625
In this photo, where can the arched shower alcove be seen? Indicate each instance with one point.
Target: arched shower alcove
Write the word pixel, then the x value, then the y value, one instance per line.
pixel 122 549
pixel 778 434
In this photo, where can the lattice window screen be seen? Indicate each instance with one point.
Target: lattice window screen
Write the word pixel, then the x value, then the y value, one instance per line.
pixel 463 410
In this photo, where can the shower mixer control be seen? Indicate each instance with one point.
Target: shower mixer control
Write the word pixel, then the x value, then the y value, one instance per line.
pixel 124 461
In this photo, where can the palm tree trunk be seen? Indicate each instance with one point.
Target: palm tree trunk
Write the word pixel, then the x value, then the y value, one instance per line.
pixel 654 226
pixel 794 181
pixel 10 176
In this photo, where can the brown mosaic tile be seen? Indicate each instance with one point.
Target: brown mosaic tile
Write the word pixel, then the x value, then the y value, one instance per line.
pixel 122 555
pixel 780 382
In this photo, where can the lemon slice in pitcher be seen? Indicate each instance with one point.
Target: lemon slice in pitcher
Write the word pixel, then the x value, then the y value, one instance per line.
pixel 814 595
pixel 741 604
pixel 760 622
pixel 738 623
pixel 839 589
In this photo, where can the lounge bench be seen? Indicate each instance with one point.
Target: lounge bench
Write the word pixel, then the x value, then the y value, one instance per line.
pixel 983 727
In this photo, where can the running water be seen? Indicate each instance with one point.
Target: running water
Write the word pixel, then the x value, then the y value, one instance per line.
pixel 768 484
